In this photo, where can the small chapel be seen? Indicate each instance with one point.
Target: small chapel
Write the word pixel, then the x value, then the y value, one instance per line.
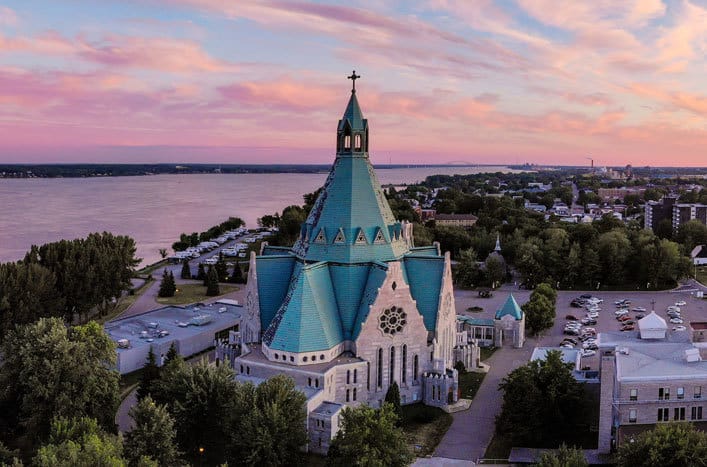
pixel 353 305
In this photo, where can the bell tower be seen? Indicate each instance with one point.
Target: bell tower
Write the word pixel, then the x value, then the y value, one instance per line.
pixel 352 132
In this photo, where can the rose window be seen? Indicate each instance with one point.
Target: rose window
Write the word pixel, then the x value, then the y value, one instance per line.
pixel 393 320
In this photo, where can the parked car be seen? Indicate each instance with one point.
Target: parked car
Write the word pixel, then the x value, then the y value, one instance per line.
pixel 585 296
pixel 622 312
pixel 589 321
pixel 628 327
pixel 588 353
pixel 571 318
pixel 681 303
pixel 679 328
pixel 623 318
pixel 640 315
pixel 639 309
pixel 676 320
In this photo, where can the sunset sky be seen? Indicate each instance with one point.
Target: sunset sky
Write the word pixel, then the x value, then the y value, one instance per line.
pixel 229 81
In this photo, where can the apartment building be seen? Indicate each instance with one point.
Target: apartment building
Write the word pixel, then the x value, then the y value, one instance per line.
pixel 651 377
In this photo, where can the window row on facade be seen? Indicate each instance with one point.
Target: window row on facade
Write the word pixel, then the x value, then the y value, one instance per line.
pixel 664 393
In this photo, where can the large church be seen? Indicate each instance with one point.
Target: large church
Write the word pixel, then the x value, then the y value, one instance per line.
pixel 353 306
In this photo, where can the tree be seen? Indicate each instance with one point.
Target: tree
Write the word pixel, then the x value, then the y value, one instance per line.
pixel 221 268
pixel 272 429
pixel 212 287
pixel 27 292
pixel 667 445
pixel 205 403
pixel 546 291
pixel 150 373
pixel 163 252
pixel 79 442
pixel 201 273
pixel 664 229
pixel 563 457
pixel 542 403
pixel 172 355
pixel 153 434
pixel 50 371
pixel 369 437
pixel 452 239
pixel 690 234
pixel 186 270
pixel 495 269
pixel 167 287
pixel 467 272
pixel 237 275
pixel 392 397
pixel 9 457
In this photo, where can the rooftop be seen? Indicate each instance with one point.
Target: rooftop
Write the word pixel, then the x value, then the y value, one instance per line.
pixel 256 356
pixel 173 323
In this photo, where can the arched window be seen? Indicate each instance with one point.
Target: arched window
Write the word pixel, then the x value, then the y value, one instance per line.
pixel 348 393
pixel 357 142
pixel 309 382
pixel 348 376
pixel 316 383
pixel 304 359
pixel 391 377
pixel 277 357
pixel 414 368
pixel 347 142
pixel 355 377
pixel 379 367
pixel 405 363
pixel 354 393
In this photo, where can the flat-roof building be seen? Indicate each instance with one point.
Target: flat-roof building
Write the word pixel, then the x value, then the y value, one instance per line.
pixel 192 329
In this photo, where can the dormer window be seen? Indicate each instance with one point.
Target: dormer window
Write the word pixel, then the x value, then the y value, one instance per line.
pixel 340 238
pixel 379 237
pixel 357 142
pixel 320 237
pixel 361 238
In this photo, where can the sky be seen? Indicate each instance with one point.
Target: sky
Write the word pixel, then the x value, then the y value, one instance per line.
pixel 442 81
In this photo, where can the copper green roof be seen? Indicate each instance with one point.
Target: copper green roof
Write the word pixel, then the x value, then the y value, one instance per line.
pixel 510 308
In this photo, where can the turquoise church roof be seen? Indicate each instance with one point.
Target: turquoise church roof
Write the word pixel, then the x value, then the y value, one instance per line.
pixel 318 293
pixel 510 308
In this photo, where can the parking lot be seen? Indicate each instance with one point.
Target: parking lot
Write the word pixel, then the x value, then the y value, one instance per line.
pixel 695 309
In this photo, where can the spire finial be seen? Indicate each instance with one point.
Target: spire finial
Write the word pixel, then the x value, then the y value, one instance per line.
pixel 353 78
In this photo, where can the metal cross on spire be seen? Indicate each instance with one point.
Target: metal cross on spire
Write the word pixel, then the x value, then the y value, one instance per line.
pixel 353 78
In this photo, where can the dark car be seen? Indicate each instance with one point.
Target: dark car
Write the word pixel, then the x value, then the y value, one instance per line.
pixel 571 317
pixel 585 296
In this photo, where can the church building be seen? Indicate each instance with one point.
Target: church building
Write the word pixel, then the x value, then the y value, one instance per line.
pixel 353 306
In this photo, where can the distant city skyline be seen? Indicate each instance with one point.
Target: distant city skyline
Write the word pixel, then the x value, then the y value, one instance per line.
pixel 222 81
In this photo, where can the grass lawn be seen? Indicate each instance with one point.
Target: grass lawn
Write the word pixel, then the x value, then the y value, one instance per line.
pixel 147 270
pixel 192 293
pixel 469 383
pixel 486 352
pixel 424 427
pixel 702 275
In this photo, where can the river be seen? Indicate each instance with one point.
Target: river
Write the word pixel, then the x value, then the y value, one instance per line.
pixel 154 210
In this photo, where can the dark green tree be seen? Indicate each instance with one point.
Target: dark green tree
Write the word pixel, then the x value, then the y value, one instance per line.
pixel 221 269
pixel 495 269
pixel 369 438
pixel 150 373
pixel 186 270
pixel 74 367
pixel 272 430
pixel 167 287
pixel 563 457
pixel 539 314
pixel 237 276
pixel 212 286
pixel 153 434
pixel 205 403
pixel 542 403
pixel 79 442
pixel 172 355
pixel 467 273
pixel 201 273
pixel 667 445
pixel 392 397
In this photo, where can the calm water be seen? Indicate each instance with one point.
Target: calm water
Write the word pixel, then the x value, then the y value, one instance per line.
pixel 154 210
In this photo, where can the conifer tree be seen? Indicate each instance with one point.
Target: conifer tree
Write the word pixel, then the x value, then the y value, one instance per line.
pixel 172 355
pixel 201 273
pixel 153 435
pixel 237 275
pixel 150 372
pixel 212 287
pixel 221 269
pixel 186 270
pixel 392 397
pixel 167 286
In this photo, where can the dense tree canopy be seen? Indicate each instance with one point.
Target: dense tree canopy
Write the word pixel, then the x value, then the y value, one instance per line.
pixel 542 403
pixel 369 437
pixel 152 436
pixel 563 457
pixel 49 370
pixel 667 445
pixel 79 442
pixel 540 309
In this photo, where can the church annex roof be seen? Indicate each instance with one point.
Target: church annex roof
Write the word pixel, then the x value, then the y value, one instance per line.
pixel 424 276
pixel 511 308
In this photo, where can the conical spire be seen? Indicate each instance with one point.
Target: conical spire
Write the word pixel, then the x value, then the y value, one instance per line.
pixel 498 244
pixel 342 229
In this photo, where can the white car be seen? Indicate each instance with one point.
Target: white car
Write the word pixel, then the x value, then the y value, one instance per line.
pixel 621 312
pixel 674 308
pixel 593 315
pixel 681 303
pixel 588 353
pixel 679 328
pixel 676 320
pixel 212 260
pixel 639 309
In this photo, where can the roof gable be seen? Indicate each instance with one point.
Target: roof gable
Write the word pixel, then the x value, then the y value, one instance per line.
pixel 510 308
pixel 424 276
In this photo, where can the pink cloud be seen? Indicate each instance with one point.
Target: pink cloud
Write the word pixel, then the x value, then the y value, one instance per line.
pixel 8 17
